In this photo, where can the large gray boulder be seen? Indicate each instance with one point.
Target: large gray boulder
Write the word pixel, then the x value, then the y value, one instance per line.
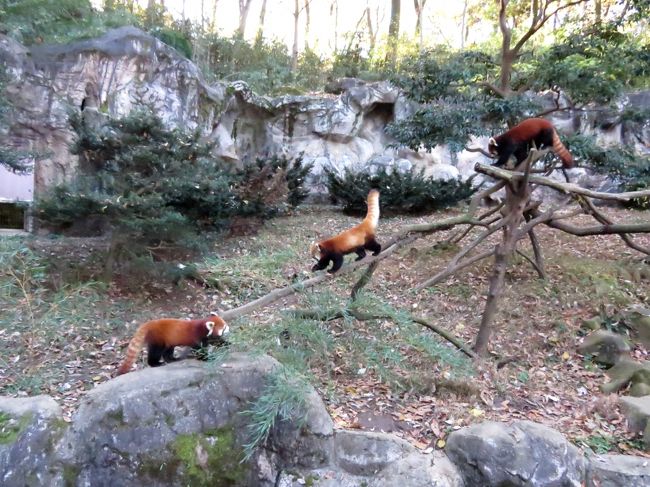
pixel 29 429
pixel 521 454
pixel 182 424
pixel 618 471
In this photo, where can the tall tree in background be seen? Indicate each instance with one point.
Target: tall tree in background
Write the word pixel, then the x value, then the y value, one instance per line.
pixel 419 8
pixel 540 12
pixel 307 23
pixel 334 11
pixel 213 20
pixel 260 27
pixel 294 49
pixel 393 31
pixel 244 8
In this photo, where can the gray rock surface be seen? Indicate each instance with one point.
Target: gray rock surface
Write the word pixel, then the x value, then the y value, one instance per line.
pixel 181 424
pixel 618 471
pixel 637 411
pixel 521 454
pixel 29 429
pixel 608 346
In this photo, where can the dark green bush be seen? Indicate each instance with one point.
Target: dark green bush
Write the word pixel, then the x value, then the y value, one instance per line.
pixel 408 192
pixel 153 184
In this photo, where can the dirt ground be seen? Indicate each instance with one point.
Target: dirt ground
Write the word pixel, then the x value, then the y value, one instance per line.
pixel 536 333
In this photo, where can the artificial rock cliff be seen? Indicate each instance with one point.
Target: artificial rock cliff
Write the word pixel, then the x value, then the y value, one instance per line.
pixel 127 68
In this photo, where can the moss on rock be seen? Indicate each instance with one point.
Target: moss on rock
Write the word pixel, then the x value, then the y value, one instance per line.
pixel 11 427
pixel 212 458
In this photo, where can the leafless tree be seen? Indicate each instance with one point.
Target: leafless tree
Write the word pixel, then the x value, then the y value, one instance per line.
pixel 260 27
pixel 244 8
pixel 334 11
pixel 419 8
pixel 393 31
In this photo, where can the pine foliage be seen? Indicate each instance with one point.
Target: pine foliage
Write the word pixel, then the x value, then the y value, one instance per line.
pixel 401 192
pixel 153 184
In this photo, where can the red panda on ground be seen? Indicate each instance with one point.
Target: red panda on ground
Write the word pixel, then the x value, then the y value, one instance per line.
pixel 356 239
pixel 161 336
pixel 519 139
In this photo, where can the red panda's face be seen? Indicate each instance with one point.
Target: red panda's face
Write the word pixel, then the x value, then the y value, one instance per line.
pixel 314 251
pixel 493 147
pixel 216 326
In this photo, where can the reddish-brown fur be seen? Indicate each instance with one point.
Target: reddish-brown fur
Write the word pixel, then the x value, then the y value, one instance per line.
pixel 161 336
pixel 518 140
pixel 356 239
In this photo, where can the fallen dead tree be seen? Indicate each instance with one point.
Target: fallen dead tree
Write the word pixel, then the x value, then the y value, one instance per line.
pixel 516 218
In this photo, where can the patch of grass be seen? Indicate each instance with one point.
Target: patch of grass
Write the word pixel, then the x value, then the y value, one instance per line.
pixel 248 276
pixel 598 443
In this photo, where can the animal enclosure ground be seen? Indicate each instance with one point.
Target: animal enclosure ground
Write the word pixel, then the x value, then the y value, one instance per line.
pixel 63 333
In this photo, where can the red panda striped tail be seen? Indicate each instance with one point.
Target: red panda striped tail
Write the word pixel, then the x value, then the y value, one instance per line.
pixel 135 345
pixel 372 217
pixel 561 151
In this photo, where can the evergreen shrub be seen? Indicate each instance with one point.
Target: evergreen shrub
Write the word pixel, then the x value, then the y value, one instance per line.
pixel 151 184
pixel 401 192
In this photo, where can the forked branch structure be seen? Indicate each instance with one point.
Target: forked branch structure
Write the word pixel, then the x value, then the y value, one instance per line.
pixel 516 217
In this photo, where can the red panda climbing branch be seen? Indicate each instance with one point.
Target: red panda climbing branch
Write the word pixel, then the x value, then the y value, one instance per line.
pixel 356 239
pixel 161 336
pixel 518 142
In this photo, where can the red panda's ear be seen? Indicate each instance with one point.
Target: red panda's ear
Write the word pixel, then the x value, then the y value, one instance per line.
pixel 493 142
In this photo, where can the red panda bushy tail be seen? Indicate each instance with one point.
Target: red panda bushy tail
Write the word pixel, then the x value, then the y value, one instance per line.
pixel 372 217
pixel 135 345
pixel 562 152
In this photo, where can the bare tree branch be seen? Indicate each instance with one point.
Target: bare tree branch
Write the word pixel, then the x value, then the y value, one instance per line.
pixel 507 175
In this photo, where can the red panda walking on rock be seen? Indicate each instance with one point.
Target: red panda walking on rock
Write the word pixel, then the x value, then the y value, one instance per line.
pixel 356 239
pixel 519 139
pixel 161 336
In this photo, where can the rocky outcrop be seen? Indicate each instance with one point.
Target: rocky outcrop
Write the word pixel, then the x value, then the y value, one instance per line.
pixel 127 68
pixel 115 73
pixel 522 454
pixel 182 424
pixel 615 470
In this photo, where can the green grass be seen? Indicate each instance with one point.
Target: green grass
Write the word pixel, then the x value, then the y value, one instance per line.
pixel 248 276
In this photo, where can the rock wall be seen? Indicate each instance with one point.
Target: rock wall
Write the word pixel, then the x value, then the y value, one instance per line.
pixel 182 424
pixel 126 69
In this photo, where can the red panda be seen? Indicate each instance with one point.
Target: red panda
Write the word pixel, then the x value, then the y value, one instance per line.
pixel 356 239
pixel 161 336
pixel 518 142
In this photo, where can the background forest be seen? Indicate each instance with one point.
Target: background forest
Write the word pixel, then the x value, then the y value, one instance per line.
pixel 172 250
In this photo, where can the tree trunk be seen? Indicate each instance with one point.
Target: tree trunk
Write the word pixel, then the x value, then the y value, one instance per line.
pixel 294 49
pixel 260 28
pixel 213 20
pixel 334 9
pixel 371 33
pixel 463 26
pixel 244 8
pixel 419 8
pixel 151 7
pixel 307 23
pixel 393 31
